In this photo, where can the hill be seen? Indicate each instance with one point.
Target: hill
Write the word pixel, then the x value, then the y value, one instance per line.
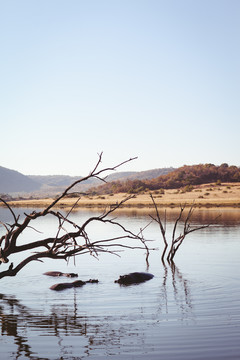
pixel 57 183
pixel 185 176
pixel 12 181
pixel 196 175
pixel 139 175
pixel 54 180
pixel 65 180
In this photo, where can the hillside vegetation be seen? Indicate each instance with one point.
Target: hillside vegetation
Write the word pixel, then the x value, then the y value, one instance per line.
pixel 183 177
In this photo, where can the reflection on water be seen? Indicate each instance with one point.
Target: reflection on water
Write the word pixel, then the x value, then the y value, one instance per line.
pixel 170 318
pixel 22 323
pixel 98 333
pixel 220 216
pixel 181 291
pixel 190 310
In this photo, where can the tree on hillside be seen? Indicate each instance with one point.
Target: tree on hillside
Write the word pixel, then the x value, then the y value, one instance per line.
pixel 66 243
pixel 176 179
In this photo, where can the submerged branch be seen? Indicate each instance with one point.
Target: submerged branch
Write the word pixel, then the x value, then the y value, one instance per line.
pixel 176 240
pixel 73 242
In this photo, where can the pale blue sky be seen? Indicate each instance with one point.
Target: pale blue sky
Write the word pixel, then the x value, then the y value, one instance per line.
pixel 147 78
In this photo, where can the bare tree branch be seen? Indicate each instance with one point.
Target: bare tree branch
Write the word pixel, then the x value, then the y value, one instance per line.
pixel 10 209
pixel 162 228
pixel 73 242
pixel 176 240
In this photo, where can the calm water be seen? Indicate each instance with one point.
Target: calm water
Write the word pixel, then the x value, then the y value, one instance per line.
pixel 187 311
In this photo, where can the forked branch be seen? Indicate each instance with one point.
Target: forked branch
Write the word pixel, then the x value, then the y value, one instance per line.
pixel 176 240
pixel 66 243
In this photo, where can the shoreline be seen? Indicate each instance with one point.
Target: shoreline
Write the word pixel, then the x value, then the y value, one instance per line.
pixel 226 195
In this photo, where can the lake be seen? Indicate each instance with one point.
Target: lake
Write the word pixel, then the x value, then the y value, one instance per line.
pixel 188 311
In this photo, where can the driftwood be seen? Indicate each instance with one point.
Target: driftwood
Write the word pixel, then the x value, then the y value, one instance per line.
pixel 177 240
pixel 71 243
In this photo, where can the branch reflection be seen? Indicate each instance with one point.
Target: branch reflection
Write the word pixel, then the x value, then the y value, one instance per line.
pixel 86 335
pixel 175 292
pixel 74 333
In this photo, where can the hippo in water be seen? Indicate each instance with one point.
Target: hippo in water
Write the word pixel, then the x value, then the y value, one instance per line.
pixel 76 283
pixel 134 278
pixel 63 286
pixel 59 273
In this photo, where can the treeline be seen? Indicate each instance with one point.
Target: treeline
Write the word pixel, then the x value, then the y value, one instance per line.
pixel 184 176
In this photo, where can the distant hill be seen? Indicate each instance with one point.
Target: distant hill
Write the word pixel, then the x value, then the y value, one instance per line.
pixel 65 180
pixel 140 175
pixel 177 178
pixel 196 175
pixel 12 181
pixel 54 180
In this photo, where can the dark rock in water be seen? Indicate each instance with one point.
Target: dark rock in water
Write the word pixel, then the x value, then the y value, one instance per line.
pixel 59 273
pixel 76 283
pixel 134 278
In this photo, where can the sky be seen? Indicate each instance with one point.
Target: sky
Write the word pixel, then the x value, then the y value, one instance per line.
pixel 156 79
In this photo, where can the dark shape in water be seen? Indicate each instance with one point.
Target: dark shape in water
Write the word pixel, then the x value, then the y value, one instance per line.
pixel 134 278
pixel 92 281
pixel 77 283
pixel 59 273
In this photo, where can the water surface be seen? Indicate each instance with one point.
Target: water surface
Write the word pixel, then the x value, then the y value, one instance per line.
pixel 189 310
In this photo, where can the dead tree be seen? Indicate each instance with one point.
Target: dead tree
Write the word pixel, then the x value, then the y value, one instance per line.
pixel 177 240
pixel 71 243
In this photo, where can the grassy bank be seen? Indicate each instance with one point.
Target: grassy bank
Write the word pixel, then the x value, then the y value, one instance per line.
pixel 208 195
